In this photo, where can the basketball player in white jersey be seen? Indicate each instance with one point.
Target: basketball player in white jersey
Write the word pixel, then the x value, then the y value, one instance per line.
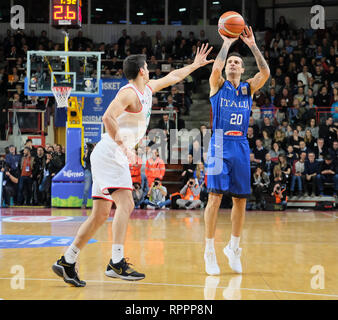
pixel 126 120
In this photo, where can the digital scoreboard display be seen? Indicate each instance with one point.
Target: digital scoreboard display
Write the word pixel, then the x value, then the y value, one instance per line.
pixel 66 13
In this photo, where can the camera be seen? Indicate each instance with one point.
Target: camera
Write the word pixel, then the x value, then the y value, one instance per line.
pixel 191 183
pixel 156 183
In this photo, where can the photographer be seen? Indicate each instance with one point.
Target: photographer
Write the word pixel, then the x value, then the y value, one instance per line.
pixel 138 195
pixel 279 193
pixel 87 174
pixel 10 183
pixel 156 196
pixel 190 195
pixel 50 170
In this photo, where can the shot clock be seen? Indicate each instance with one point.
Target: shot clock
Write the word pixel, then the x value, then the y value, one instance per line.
pixel 66 13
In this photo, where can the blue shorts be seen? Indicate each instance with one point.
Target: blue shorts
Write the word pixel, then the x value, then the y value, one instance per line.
pixel 229 172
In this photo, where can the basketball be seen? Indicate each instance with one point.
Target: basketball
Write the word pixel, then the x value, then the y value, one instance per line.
pixel 231 24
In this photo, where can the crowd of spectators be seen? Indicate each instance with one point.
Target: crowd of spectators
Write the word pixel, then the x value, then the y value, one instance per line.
pixel 28 174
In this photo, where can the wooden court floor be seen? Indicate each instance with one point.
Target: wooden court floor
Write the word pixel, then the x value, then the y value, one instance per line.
pixel 286 255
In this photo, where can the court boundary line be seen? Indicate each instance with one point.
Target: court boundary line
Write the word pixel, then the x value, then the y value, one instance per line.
pixel 188 286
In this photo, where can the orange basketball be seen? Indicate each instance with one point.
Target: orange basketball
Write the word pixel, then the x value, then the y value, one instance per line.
pixel 231 24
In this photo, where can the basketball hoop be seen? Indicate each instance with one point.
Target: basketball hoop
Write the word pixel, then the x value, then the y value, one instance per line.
pixel 61 95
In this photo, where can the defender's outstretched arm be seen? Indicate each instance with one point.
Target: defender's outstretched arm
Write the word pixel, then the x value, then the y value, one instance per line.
pixel 180 74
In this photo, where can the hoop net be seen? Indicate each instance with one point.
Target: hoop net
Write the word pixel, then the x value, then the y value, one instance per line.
pixel 61 95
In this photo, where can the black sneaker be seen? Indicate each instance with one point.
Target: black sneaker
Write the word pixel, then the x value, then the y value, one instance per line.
pixel 67 272
pixel 123 271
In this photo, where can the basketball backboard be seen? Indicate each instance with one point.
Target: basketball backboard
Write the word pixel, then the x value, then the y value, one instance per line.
pixel 76 69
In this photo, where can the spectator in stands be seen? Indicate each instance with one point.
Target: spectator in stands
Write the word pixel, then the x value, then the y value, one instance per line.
pixel 205 138
pixel 269 164
pixel 303 148
pixel 38 167
pixel 190 194
pixel 259 151
pixel 188 170
pixel 251 138
pixel 279 137
pixel 122 40
pixel 328 173
pixel 268 127
pixel 298 174
pixel 177 97
pixel 268 109
pixel 334 151
pixel 138 195
pixel 88 181
pixel 278 177
pixel 60 155
pixel 254 126
pixel 12 158
pixel 309 140
pixel 260 185
pixel 202 38
pixel 25 180
pixel 281 112
pixel 200 175
pixel 282 27
pixel 196 150
pixel 116 52
pixel 276 151
pixel 259 97
pixel 311 171
pixel 295 139
pixel 157 196
pixel 9 188
pixel 320 149
pixel 155 167
pixel 304 76
pixel 313 128
pixel 16 102
pixel 323 100
pixel 286 94
pixel 256 113
pixel 266 140
pixel 327 131
pixel 285 167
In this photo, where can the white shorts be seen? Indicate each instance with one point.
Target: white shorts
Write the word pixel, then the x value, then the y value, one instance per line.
pixel 110 169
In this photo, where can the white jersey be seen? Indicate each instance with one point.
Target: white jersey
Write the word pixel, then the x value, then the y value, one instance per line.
pixel 133 125
pixel 110 167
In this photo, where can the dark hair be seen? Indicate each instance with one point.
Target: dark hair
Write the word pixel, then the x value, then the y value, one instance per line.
pixel 236 54
pixel 133 64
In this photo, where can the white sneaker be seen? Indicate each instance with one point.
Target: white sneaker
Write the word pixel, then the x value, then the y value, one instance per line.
pixel 234 257
pixel 211 266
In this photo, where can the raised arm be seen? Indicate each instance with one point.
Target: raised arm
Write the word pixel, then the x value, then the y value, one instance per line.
pixel 263 75
pixel 180 74
pixel 216 80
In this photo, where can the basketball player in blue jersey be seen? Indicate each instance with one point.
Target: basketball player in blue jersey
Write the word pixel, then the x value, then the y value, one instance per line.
pixel 229 154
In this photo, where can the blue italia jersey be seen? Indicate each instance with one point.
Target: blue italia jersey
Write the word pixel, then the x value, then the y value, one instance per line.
pixel 231 109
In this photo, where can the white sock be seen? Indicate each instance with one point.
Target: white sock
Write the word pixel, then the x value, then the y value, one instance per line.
pixel 209 245
pixel 117 253
pixel 234 242
pixel 71 254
